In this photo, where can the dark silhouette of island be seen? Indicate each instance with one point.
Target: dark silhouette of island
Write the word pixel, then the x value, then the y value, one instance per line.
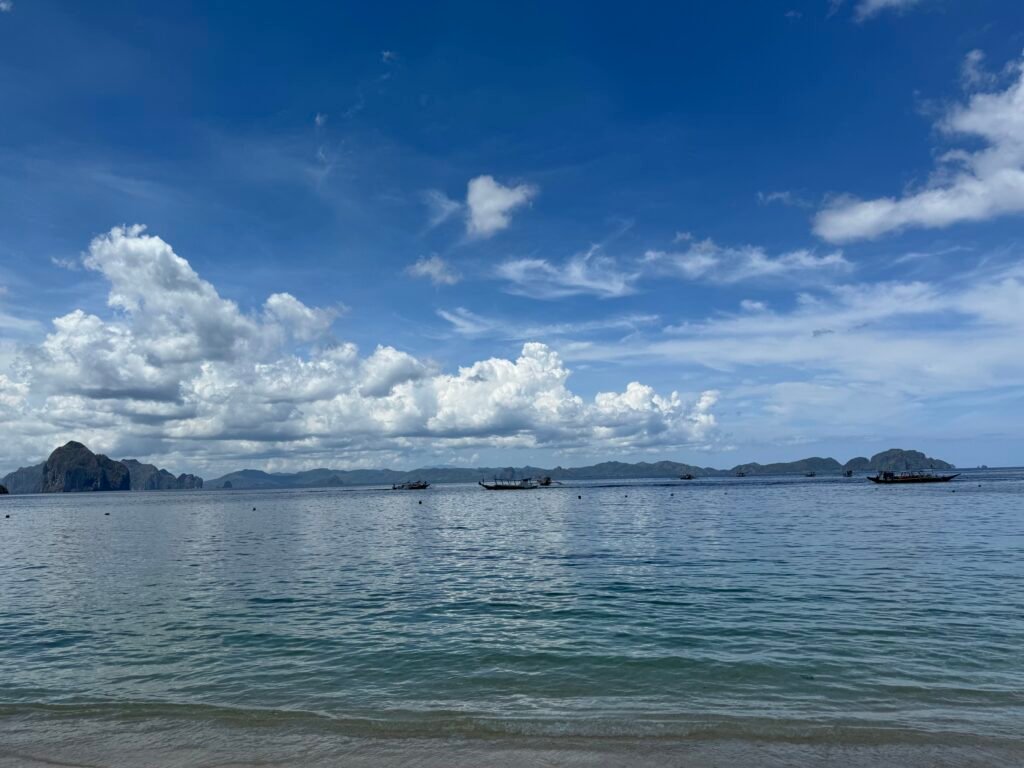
pixel 894 459
pixel 74 468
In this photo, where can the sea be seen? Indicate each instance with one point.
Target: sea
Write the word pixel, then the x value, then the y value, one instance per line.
pixel 758 621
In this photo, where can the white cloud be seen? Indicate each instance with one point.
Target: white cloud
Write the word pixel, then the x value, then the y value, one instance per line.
pixel 435 269
pixel 177 371
pixel 440 206
pixel 488 207
pixel 969 185
pixel 866 9
pixel 388 57
pixel 6 6
pixel 72 265
pixel 783 197
pixel 591 273
pixel 490 204
pixel 706 260
pixel 918 339
pixel 470 324
pixel 320 120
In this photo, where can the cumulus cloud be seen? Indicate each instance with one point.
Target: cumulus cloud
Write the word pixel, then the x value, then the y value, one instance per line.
pixel 969 184
pixel 176 367
pixel 706 260
pixel 6 6
pixel 487 209
pixel 490 204
pixel 435 269
pixel 592 273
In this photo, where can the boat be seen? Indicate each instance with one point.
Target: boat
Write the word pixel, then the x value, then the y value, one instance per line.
pixel 741 474
pixel 896 478
pixel 526 484
pixel 848 473
pixel 544 481
pixel 412 485
pixel 687 476
pixel 810 474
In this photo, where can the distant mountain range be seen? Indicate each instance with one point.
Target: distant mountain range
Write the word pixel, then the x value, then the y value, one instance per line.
pixel 894 459
pixel 73 467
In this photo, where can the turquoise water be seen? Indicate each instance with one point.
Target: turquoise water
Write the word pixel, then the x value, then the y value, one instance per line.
pixel 736 620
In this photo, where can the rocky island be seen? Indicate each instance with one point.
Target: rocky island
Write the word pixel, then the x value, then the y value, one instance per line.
pixel 73 468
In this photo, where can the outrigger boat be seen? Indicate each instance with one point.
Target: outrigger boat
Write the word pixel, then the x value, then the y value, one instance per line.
pixel 687 476
pixel 526 484
pixel 413 485
pixel 895 478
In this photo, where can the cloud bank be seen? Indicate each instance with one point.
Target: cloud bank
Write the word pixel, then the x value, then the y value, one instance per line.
pixel 176 370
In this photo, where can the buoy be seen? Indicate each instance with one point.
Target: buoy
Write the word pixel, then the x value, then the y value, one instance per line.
pixel 106 513
pixel 254 509
pixel 579 497
pixel 421 501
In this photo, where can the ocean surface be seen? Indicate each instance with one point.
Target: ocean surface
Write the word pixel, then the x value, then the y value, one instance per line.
pixel 757 621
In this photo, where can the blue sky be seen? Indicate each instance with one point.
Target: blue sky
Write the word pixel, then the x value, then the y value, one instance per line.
pixel 794 225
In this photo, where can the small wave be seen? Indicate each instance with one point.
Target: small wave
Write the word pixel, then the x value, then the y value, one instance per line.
pixel 403 724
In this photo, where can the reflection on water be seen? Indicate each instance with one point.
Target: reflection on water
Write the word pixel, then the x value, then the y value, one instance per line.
pixel 782 611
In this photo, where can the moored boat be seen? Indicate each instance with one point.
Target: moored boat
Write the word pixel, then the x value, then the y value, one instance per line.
pixel 897 478
pixel 526 484
pixel 412 485
pixel 687 476
pixel 810 474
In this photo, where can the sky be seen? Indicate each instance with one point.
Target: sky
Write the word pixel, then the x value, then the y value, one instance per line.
pixel 418 234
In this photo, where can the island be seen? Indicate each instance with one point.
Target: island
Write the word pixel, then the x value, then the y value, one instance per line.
pixel 73 468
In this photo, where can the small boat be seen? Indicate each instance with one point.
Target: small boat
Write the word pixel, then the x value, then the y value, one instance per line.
pixel 810 474
pixel 412 485
pixel 848 473
pixel 741 474
pixel 526 484
pixel 544 482
pixel 687 476
pixel 896 478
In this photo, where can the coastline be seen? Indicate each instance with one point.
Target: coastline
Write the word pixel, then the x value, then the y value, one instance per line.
pixel 164 736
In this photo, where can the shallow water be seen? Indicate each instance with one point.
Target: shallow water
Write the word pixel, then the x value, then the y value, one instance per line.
pixel 743 621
